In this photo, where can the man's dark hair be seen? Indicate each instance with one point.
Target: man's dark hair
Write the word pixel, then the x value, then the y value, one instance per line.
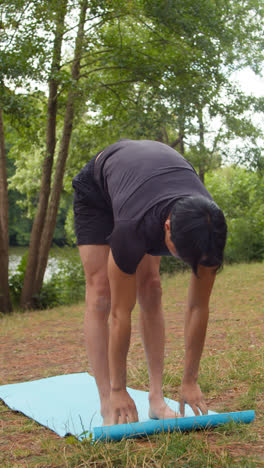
pixel 198 231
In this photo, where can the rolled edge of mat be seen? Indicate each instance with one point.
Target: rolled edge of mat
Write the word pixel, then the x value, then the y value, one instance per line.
pixel 144 429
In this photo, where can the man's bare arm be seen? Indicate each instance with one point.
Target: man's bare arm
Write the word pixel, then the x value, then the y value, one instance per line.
pixel 123 298
pixel 196 318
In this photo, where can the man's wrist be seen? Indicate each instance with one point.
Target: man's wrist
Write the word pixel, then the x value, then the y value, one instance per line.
pixel 189 379
pixel 118 389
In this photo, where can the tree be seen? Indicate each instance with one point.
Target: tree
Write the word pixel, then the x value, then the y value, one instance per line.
pixel 45 219
pixel 184 84
pixel 50 220
pixel 138 69
pixel 13 61
pixel 35 252
pixel 21 58
pixel 5 302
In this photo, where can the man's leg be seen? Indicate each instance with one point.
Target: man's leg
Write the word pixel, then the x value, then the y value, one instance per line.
pixel 98 302
pixel 149 294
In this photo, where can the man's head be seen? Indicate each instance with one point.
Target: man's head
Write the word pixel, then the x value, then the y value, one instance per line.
pixel 196 232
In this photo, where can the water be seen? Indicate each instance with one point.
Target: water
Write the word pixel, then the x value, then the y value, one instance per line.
pixel 52 267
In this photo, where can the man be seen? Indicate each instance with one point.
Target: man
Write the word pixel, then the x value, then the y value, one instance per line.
pixel 136 201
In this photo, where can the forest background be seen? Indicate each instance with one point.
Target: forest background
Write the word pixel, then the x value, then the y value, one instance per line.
pixel 75 76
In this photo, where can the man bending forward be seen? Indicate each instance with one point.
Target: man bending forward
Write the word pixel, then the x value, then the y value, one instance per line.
pixel 136 201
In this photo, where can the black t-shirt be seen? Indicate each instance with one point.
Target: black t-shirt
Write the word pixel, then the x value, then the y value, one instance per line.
pixel 141 180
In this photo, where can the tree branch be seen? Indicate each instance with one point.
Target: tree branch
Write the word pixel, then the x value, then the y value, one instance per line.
pixel 99 69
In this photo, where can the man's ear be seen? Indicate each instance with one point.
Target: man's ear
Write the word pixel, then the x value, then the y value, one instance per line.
pixel 167 225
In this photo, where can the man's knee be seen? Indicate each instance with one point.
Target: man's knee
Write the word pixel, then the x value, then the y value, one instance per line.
pixel 149 290
pixel 98 295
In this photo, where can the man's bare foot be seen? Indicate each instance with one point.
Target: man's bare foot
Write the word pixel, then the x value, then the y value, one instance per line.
pixel 106 421
pixel 158 409
pixel 106 413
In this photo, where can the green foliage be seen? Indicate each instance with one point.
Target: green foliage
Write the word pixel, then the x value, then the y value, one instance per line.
pixel 48 296
pixel 69 227
pixel 171 265
pixel 16 280
pixel 66 285
pixel 240 194
pixel 245 243
pixel 22 206
pixel 19 224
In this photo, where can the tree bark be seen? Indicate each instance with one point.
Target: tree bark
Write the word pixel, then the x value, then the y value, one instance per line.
pixel 179 142
pixel 5 301
pixel 50 221
pixel 27 299
pixel 201 146
pixel 201 174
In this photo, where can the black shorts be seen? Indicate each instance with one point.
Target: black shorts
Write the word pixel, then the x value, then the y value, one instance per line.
pixel 93 217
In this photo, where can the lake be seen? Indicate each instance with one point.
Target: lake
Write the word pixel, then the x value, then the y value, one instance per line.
pixel 56 256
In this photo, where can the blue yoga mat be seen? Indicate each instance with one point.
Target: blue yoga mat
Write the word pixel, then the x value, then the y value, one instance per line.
pixel 69 404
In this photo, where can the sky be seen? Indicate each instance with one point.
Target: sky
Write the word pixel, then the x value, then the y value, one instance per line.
pixel 250 82
pixel 253 84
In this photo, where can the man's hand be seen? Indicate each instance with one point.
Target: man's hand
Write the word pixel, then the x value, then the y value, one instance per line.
pixel 122 408
pixel 191 394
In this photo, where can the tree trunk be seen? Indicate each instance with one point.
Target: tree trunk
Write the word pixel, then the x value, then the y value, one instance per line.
pixel 179 142
pixel 201 146
pixel 181 145
pixel 201 174
pixel 50 221
pixel 27 300
pixel 5 301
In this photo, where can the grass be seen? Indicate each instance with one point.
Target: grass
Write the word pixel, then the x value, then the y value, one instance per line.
pixel 41 344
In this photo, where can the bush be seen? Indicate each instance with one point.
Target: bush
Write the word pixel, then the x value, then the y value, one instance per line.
pixel 16 280
pixel 172 265
pixel 68 281
pixel 65 286
pixel 240 194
